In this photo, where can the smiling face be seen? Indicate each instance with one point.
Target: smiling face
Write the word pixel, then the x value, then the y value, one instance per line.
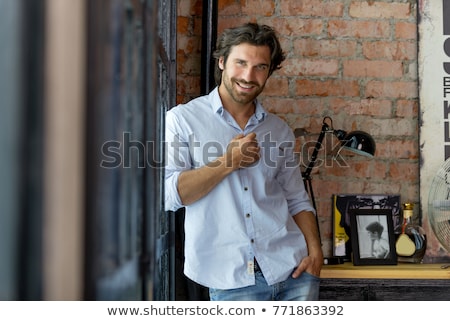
pixel 244 74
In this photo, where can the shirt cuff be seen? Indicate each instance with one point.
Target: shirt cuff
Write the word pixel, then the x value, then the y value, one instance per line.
pixel 172 198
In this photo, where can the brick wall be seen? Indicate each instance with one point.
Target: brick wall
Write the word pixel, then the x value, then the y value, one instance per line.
pixel 354 61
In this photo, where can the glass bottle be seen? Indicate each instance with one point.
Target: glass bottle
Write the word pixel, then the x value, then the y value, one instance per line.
pixel 412 243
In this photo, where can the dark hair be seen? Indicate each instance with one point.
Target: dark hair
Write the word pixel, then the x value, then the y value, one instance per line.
pixel 375 227
pixel 253 34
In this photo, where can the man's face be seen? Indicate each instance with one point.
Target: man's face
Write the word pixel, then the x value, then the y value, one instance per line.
pixel 374 235
pixel 246 71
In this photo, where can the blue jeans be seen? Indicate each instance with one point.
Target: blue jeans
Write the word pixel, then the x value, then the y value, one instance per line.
pixel 303 288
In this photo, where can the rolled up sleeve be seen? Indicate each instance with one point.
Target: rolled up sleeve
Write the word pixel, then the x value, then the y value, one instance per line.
pixel 290 177
pixel 177 161
pixel 172 198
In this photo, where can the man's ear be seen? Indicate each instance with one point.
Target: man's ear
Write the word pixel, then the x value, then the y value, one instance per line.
pixel 221 63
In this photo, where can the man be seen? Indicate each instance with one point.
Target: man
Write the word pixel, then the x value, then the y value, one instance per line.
pixel 250 228
pixel 379 247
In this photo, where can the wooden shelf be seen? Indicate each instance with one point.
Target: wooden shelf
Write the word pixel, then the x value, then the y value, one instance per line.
pixel 400 271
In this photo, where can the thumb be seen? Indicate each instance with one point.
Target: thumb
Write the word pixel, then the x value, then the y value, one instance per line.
pixel 251 135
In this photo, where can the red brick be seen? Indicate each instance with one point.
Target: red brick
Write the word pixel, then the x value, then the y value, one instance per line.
pixel 276 86
pixel 282 105
pixel 184 8
pixel 294 26
pixel 407 108
pixel 189 64
pixel 373 107
pixel 259 7
pixel 359 29
pixel 197 8
pixel 190 45
pixel 308 47
pixel 228 7
pixel 391 50
pixel 313 8
pixel 309 67
pixel 380 169
pixel 404 172
pixel 398 149
pixel 406 30
pixel 333 87
pixel 395 89
pixel 232 21
pixel 379 10
pixel 384 127
pixel 380 187
pixel 370 68
pixel 277 105
pixel 183 26
pixel 188 85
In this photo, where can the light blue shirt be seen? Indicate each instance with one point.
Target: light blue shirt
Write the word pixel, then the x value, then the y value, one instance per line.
pixel 249 213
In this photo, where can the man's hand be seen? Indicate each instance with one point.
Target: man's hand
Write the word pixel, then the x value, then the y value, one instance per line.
pixel 194 184
pixel 310 264
pixel 242 151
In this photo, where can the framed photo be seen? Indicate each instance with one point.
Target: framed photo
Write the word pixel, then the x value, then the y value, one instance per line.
pixel 343 203
pixel 373 238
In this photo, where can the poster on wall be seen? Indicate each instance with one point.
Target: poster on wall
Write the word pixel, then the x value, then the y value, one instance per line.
pixel 434 99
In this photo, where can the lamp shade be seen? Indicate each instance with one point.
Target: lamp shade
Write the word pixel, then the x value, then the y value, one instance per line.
pixel 359 142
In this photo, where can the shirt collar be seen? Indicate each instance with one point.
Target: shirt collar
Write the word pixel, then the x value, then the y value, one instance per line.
pixel 217 107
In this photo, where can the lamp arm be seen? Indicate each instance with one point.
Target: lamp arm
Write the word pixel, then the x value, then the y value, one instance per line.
pixel 326 128
pixel 312 162
pixel 341 135
pixel 307 173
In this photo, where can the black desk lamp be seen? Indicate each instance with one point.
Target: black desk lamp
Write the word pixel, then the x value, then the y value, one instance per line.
pixel 358 142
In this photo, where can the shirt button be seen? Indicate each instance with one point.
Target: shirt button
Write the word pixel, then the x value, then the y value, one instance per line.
pixel 247 215
pixel 245 188
pixel 252 240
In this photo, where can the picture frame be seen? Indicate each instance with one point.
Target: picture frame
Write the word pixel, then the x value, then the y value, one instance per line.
pixel 342 203
pixel 373 238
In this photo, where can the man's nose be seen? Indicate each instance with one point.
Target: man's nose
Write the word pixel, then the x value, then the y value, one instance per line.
pixel 248 74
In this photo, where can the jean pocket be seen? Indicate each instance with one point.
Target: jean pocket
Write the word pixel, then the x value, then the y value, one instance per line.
pixel 312 276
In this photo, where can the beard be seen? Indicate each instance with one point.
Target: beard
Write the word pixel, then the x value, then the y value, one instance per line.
pixel 232 86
